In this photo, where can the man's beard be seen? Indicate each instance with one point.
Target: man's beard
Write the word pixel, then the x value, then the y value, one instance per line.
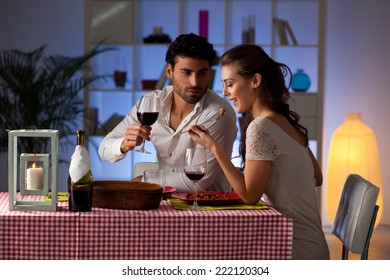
pixel 190 99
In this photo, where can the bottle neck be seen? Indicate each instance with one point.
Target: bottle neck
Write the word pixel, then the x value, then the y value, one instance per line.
pixel 80 137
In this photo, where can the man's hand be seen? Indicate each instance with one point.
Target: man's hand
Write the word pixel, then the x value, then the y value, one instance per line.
pixel 134 136
pixel 137 179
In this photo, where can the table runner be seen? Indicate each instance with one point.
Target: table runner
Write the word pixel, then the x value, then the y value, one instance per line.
pixel 163 233
pixel 179 204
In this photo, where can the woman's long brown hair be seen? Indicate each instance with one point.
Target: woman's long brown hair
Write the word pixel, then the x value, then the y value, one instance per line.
pixel 274 94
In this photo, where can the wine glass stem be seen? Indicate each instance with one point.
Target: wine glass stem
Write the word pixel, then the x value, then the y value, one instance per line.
pixel 196 194
pixel 143 146
pixel 195 203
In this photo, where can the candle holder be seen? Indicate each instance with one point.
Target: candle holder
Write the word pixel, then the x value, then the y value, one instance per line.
pixel 34 171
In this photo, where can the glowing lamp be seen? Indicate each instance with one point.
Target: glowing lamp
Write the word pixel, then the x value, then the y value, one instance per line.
pixel 353 149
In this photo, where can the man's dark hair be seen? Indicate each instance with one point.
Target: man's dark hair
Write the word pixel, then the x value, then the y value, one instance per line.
pixel 191 45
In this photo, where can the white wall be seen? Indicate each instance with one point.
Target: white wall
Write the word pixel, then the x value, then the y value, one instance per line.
pixel 26 25
pixel 356 67
pixel 357 74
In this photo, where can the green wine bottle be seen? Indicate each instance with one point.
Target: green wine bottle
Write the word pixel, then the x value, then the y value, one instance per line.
pixel 80 177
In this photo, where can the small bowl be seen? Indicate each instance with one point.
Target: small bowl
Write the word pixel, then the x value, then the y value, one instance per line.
pixel 126 195
pixel 149 84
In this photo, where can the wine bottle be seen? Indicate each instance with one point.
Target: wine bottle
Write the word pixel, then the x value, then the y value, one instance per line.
pixel 80 177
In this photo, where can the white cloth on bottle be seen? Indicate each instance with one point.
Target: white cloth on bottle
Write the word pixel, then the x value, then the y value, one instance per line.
pixel 80 163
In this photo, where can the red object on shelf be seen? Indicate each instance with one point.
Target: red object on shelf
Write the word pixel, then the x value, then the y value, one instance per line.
pixel 149 84
pixel 120 78
pixel 204 23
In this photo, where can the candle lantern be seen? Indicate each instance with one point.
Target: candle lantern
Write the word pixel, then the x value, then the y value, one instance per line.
pixel 34 172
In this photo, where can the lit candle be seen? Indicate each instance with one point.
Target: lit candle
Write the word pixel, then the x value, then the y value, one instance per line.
pixel 34 179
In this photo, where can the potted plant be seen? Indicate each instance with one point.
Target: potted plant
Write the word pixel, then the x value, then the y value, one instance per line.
pixel 38 91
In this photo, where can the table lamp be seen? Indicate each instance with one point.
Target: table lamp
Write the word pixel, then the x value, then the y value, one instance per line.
pixel 353 149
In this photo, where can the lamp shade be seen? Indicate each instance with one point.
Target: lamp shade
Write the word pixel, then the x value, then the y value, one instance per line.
pixel 353 149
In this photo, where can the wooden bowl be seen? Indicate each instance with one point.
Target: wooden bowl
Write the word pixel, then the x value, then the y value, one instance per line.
pixel 126 195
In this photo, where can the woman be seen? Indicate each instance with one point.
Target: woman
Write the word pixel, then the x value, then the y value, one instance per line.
pixel 274 146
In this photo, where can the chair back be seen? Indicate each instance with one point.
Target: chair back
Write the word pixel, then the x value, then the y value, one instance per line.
pixel 140 167
pixel 354 218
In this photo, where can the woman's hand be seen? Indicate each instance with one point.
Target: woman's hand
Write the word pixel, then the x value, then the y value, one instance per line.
pixel 201 136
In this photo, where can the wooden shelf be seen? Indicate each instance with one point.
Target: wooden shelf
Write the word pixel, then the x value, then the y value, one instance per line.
pixel 124 24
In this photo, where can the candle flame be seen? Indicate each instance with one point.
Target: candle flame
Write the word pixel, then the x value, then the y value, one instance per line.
pixel 34 165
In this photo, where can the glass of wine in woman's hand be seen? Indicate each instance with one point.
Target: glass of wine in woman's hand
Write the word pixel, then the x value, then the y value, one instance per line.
pixel 195 167
pixel 148 108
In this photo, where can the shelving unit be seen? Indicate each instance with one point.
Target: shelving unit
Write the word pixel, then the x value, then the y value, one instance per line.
pixel 124 23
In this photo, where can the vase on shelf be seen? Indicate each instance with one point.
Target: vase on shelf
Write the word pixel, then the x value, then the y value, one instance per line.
pixel 120 74
pixel 300 81
pixel 120 78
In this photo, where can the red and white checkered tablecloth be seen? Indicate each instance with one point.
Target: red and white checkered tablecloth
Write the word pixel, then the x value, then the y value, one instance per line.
pixel 164 233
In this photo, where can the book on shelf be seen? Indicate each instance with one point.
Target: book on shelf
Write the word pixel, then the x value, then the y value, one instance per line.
pixel 162 80
pixel 109 124
pixel 248 29
pixel 280 30
pixel 288 28
pixel 284 31
pixel 91 120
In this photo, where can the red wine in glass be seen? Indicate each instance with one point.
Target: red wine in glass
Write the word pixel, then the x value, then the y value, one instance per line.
pixel 147 118
pixel 195 176
pixel 148 109
pixel 195 167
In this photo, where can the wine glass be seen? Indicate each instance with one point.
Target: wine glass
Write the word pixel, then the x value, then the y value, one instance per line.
pixel 195 167
pixel 148 108
pixel 155 176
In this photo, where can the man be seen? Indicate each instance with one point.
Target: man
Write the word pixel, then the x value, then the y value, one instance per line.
pixel 186 102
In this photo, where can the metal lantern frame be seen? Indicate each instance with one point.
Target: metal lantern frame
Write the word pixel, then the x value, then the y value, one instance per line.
pixel 52 168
